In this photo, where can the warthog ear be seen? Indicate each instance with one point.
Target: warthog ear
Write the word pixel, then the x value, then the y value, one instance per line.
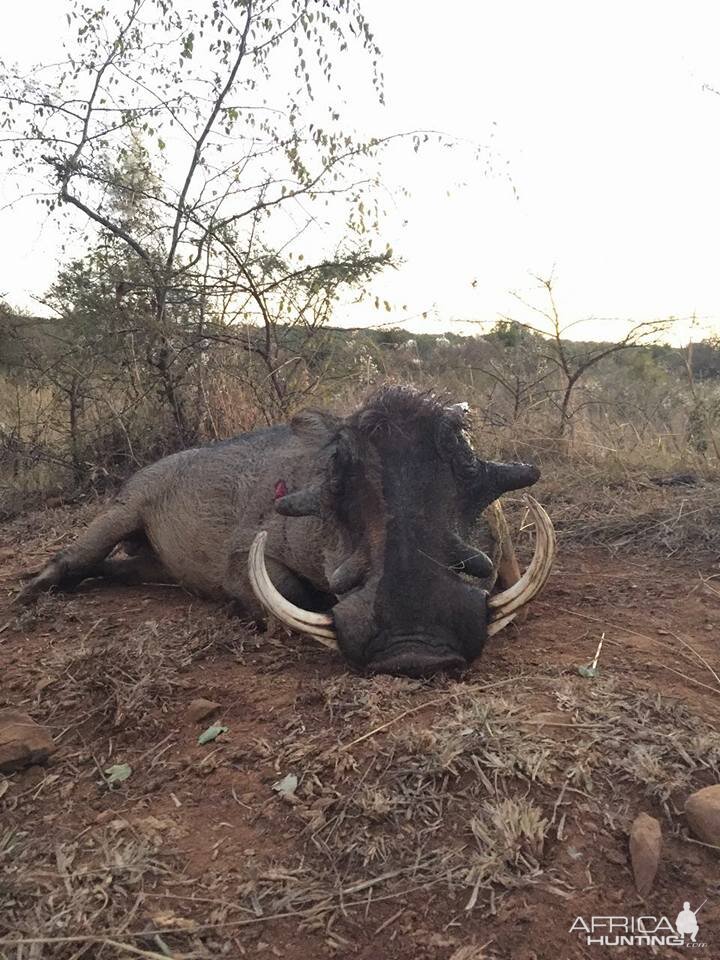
pixel 315 427
pixel 304 503
pixel 491 480
pixel 511 476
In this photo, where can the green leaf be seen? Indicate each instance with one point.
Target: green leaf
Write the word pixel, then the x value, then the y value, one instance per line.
pixel 589 672
pixel 118 773
pixel 207 736
pixel 287 786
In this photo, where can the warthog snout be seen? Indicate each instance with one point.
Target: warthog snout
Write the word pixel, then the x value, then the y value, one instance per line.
pixel 410 658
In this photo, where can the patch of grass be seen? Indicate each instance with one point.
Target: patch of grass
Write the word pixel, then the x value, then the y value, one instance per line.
pixel 651 741
pixel 633 514
pixel 510 835
pixel 127 678
pixel 75 888
pixel 447 799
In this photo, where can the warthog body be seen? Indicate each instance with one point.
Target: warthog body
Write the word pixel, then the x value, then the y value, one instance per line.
pixel 365 516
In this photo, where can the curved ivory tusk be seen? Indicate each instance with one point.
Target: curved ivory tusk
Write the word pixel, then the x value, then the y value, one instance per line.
pixel 504 605
pixel 495 626
pixel 317 625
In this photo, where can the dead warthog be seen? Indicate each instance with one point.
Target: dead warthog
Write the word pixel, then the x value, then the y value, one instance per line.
pixel 352 530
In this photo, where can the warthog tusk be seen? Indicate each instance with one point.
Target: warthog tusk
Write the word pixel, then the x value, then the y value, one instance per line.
pixel 504 605
pixel 495 626
pixel 317 625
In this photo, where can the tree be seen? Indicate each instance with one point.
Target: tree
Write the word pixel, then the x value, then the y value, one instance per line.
pixel 512 360
pixel 239 104
pixel 573 360
pixel 75 360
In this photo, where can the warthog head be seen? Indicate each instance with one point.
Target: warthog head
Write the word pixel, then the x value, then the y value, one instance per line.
pixel 399 490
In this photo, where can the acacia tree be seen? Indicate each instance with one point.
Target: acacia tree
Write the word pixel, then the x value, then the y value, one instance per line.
pixel 573 360
pixel 237 104
pixel 79 361
pixel 512 360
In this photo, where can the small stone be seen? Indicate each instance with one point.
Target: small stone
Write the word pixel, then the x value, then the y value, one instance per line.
pixel 201 709
pixel 645 847
pixel 702 810
pixel 22 741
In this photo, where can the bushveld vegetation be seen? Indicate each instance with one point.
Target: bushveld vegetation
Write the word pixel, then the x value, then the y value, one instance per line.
pixel 83 405
pixel 202 163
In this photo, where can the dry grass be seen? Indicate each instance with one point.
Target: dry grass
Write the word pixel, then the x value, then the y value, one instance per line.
pixel 94 882
pixel 448 802
pixel 649 742
pixel 628 517
pixel 103 682
pixel 463 792
pixel 600 481
pixel 468 797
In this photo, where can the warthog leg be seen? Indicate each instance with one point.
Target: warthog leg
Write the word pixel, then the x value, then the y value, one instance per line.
pixel 86 557
pixel 145 568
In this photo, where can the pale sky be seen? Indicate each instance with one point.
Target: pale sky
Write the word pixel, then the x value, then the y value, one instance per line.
pixel 605 159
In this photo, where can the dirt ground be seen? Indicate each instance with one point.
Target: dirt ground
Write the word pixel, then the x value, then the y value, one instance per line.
pixel 443 820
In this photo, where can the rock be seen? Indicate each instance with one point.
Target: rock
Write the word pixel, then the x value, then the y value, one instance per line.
pixel 201 709
pixel 645 846
pixel 22 741
pixel 702 810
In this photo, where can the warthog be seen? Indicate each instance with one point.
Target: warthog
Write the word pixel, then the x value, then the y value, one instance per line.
pixel 352 530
